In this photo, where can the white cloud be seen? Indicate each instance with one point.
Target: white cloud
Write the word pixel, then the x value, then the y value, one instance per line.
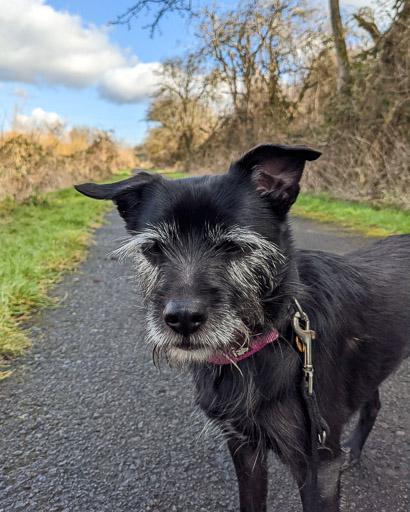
pixel 41 45
pixel 129 84
pixel 38 43
pixel 39 118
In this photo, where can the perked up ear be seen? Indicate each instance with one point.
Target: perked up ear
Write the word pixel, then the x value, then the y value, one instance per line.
pixel 276 171
pixel 125 194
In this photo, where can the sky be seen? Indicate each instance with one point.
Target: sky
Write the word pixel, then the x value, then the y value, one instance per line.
pixel 60 60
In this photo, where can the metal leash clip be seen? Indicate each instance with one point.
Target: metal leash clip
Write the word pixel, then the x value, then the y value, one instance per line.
pixel 304 339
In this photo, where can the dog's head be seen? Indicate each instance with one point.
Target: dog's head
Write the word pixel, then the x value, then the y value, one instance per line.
pixel 209 251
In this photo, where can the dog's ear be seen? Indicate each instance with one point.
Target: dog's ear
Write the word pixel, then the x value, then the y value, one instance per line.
pixel 276 171
pixel 125 194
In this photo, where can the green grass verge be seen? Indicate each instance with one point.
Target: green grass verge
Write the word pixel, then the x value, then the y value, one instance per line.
pixel 365 218
pixel 167 174
pixel 41 238
pixel 175 175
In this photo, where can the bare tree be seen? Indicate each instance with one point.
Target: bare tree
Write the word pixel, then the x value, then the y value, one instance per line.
pixel 344 76
pixel 252 53
pixel 249 48
pixel 182 107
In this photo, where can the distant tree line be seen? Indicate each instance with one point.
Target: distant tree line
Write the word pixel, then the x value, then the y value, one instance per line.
pixel 284 71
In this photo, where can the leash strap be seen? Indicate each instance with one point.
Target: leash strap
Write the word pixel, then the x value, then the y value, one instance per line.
pixel 319 429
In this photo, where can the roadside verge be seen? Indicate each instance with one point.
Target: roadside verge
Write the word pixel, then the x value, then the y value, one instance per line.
pixel 365 218
pixel 41 238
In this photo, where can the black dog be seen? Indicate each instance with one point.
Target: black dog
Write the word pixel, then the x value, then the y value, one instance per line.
pixel 219 275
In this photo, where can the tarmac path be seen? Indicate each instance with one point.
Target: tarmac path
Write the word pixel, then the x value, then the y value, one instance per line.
pixel 87 423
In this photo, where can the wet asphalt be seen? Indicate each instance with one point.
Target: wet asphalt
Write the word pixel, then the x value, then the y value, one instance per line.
pixel 87 423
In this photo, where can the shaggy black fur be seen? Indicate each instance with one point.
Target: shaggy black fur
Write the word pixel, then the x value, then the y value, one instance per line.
pixel 204 288
pixel 356 305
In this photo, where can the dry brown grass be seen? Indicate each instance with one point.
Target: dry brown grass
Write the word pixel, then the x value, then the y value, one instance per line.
pixel 42 162
pixel 355 168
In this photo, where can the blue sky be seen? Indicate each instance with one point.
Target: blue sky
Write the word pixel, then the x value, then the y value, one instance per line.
pixel 59 59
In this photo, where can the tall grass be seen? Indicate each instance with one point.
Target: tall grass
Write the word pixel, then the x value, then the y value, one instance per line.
pixel 42 161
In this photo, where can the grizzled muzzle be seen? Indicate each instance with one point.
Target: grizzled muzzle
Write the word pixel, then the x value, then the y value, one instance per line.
pixel 202 291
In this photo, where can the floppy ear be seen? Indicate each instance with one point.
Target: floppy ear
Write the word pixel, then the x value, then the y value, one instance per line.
pixel 276 171
pixel 125 194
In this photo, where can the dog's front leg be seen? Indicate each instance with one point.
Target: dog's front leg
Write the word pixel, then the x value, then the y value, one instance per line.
pixel 252 473
pixel 327 497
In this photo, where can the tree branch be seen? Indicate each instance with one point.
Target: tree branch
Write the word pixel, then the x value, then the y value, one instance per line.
pixel 369 26
pixel 161 7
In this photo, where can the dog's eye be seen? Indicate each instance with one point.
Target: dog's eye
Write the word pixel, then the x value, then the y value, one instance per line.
pixel 154 249
pixel 229 247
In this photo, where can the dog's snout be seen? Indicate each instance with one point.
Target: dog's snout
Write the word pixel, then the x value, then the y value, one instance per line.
pixel 185 317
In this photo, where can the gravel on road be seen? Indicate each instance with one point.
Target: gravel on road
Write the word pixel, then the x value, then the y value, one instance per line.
pixel 89 424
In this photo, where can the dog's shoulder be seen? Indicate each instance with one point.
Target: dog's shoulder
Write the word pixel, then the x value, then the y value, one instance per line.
pixel 313 263
pixel 391 254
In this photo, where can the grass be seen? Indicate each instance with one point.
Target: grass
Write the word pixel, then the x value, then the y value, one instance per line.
pixel 41 238
pixel 365 218
pixel 175 175
pixel 170 174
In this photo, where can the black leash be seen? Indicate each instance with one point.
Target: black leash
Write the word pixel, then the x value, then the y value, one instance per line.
pixel 319 429
pixel 318 433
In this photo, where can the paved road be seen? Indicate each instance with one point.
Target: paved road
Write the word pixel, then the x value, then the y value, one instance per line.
pixel 88 424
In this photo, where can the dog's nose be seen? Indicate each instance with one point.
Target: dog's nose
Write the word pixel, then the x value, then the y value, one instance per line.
pixel 185 317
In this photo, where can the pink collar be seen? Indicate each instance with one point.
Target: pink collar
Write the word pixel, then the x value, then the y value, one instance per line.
pixel 238 355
